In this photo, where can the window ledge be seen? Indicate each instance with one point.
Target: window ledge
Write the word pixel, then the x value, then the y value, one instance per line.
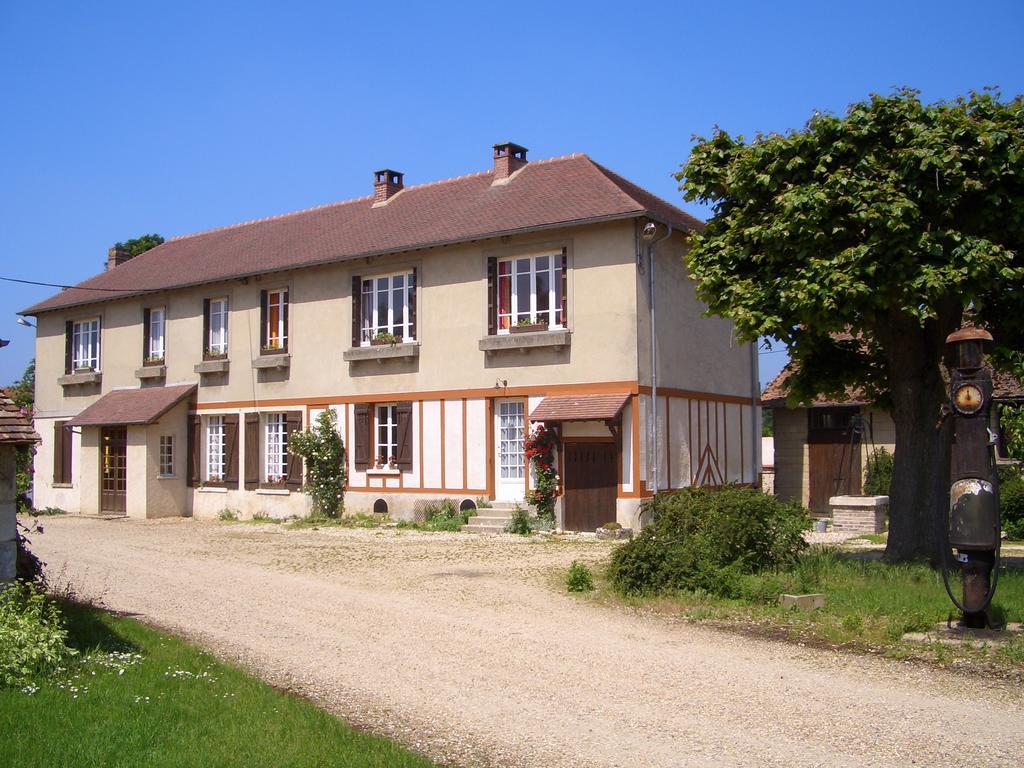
pixel 151 372
pixel 383 472
pixel 169 477
pixel 382 352
pixel 213 366
pixel 273 491
pixel 272 360
pixel 526 341
pixel 77 379
pixel 211 489
pixel 62 485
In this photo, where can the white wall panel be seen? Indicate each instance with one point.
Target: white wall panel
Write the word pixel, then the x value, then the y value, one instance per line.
pixel 627 448
pixel 476 443
pixel 679 434
pixel 431 444
pixel 453 444
pixel 355 477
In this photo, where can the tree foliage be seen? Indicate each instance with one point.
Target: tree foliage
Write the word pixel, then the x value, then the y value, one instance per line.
pixel 141 244
pixel 326 473
pixel 857 242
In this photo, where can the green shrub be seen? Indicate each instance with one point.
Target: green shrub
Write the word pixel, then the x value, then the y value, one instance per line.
pixel 878 473
pixel 482 503
pixel 520 522
pixel 612 526
pixel 709 539
pixel 326 474
pixel 227 514
pixel 444 515
pixel 1011 502
pixel 579 578
pixel 33 640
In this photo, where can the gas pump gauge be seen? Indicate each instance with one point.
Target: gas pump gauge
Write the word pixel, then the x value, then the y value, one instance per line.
pixel 968 399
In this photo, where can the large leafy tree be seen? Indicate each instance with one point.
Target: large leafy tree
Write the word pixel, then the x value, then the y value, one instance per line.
pixel 857 242
pixel 141 244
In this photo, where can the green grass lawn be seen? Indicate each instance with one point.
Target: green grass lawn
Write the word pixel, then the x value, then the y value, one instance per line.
pixel 869 605
pixel 137 697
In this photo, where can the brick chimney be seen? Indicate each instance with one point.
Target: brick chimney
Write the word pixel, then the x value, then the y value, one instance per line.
pixel 508 158
pixel 386 184
pixel 117 255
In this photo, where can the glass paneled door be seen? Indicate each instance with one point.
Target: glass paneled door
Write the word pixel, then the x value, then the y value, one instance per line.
pixel 510 468
pixel 114 471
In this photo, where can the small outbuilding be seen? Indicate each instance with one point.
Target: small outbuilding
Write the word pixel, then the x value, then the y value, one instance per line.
pixel 16 432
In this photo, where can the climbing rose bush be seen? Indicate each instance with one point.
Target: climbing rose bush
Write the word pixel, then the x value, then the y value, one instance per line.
pixel 540 450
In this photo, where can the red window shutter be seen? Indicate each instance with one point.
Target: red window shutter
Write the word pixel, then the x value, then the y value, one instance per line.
pixel 145 334
pixel 565 293
pixel 231 450
pixel 357 309
pixel 412 304
pixel 252 451
pixel 69 337
pixel 362 436
pixel 404 456
pixel 206 326
pixel 195 436
pixel 492 295
pixel 263 319
pixel 293 423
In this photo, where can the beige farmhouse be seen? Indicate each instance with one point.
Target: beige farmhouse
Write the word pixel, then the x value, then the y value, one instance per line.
pixel 439 321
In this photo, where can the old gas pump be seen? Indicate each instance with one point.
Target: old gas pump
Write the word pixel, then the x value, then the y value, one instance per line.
pixel 974 524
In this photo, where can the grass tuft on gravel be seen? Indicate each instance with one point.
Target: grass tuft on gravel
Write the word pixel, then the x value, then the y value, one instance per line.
pixel 136 697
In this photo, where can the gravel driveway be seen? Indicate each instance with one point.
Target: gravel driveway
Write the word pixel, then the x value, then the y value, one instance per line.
pixel 461 647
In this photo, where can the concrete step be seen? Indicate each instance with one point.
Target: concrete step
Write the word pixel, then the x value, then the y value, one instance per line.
pixel 483 528
pixel 486 520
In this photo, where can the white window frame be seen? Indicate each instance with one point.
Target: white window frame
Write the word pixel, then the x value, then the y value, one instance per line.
pixel 512 439
pixel 157 348
pixel 371 323
pixel 217 342
pixel 385 417
pixel 275 448
pixel 282 303
pixel 525 307
pixel 166 457
pixel 216 449
pixel 85 344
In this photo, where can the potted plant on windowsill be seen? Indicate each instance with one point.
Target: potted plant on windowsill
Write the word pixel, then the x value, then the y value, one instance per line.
pixel 275 480
pixel 85 369
pixel 526 325
pixel 154 360
pixel 273 348
pixel 384 338
pixel 209 354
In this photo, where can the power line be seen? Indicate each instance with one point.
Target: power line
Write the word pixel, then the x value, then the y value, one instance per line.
pixel 77 287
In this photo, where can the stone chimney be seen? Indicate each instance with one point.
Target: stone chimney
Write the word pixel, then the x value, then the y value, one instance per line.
pixel 508 158
pixel 386 184
pixel 117 255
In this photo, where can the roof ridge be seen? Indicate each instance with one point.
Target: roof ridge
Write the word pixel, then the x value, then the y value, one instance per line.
pixel 349 201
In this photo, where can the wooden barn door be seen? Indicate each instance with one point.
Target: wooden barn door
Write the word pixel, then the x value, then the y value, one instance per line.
pixel 833 456
pixel 114 471
pixel 590 485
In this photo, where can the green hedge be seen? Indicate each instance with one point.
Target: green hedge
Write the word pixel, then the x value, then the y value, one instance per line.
pixel 708 539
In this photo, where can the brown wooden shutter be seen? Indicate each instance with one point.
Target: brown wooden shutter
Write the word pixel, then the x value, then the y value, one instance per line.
pixel 61 452
pixel 195 436
pixel 412 304
pixel 69 338
pixel 206 326
pixel 492 295
pixel 362 436
pixel 404 457
pixel 284 310
pixel 145 334
pixel 565 292
pixel 252 451
pixel 293 423
pixel 231 450
pixel 263 319
pixel 357 309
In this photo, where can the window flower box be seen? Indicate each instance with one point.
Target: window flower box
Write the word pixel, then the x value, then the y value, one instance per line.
pixel 273 349
pixel 154 360
pixel 528 328
pixel 384 338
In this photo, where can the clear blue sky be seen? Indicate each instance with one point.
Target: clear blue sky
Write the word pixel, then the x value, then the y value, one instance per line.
pixel 125 118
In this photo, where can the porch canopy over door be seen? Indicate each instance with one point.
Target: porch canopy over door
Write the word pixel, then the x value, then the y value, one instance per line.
pixel 128 407
pixel 590 465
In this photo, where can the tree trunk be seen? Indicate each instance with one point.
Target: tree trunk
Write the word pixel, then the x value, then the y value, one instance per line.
pixel 920 481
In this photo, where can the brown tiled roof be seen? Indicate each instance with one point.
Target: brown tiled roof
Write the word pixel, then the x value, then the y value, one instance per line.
pixel 15 426
pixel 544 194
pixel 132 406
pixel 579 407
pixel 1005 387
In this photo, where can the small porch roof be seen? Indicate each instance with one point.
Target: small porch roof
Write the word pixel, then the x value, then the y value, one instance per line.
pixel 562 408
pixel 132 406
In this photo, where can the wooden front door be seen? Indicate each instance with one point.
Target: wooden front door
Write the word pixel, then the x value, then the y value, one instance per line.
pixel 113 470
pixel 834 471
pixel 590 485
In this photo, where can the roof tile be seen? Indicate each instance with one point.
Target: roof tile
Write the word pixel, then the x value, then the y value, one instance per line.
pixel 132 406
